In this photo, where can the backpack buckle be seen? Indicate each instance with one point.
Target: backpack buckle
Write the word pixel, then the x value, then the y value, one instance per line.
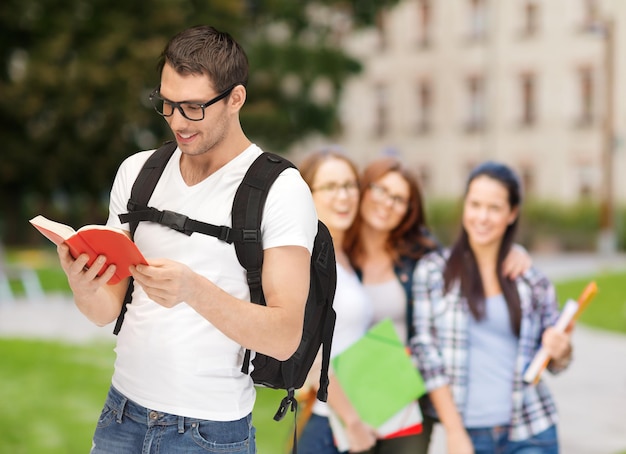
pixel 224 234
pixel 254 278
pixel 251 236
pixel 174 221
pixel 285 404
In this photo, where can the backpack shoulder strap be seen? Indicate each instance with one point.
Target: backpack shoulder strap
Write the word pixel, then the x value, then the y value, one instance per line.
pixel 247 216
pixel 140 194
pixel 147 179
pixel 248 213
pixel 327 266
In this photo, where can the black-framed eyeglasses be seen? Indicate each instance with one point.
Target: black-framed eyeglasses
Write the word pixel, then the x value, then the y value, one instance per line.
pixel 333 188
pixel 382 194
pixel 193 111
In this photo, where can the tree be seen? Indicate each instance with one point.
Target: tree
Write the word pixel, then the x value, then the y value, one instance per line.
pixel 77 74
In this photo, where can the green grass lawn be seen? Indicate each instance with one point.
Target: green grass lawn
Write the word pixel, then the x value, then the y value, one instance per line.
pixel 607 311
pixel 51 393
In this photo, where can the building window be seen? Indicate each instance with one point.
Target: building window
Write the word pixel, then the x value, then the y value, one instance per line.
pixel 475 87
pixel 468 167
pixel 531 19
pixel 381 26
pixel 527 175
pixel 425 23
pixel 591 14
pixel 586 97
pixel 585 182
pixel 382 110
pixel 528 91
pixel 424 107
pixel 424 177
pixel 477 20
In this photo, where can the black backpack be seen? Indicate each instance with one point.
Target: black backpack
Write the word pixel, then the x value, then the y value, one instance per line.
pixel 245 234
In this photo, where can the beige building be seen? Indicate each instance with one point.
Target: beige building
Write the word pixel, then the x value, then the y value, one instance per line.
pixel 449 83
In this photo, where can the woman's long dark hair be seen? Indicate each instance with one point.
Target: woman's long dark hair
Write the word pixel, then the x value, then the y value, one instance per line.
pixel 461 265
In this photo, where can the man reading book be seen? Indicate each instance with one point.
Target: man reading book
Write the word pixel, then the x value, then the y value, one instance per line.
pixel 178 379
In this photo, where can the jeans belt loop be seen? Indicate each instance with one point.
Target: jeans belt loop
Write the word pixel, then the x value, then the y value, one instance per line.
pixel 181 424
pixel 120 410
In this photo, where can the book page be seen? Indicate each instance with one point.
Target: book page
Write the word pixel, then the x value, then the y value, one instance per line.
pixel 54 231
pixel 101 227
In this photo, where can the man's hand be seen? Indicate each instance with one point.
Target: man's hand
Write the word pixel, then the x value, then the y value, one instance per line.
pixel 84 280
pixel 99 302
pixel 166 282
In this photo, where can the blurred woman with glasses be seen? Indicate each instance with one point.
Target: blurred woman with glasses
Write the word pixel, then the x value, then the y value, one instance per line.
pixel 385 242
pixel 333 180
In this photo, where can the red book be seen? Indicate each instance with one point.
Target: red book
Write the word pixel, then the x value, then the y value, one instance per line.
pixel 94 240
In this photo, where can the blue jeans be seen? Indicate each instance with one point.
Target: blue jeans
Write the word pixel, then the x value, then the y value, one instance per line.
pixel 317 437
pixel 126 427
pixel 495 440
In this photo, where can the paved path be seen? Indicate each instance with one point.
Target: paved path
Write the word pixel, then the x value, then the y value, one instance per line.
pixel 590 395
pixel 54 318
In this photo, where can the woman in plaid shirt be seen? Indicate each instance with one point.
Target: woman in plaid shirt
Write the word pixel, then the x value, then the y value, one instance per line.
pixel 477 331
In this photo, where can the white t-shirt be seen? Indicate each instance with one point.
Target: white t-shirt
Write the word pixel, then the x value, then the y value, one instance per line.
pixel 174 360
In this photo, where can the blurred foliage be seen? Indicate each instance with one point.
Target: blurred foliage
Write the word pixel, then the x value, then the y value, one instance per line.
pixel 544 226
pixel 76 75
pixel 554 226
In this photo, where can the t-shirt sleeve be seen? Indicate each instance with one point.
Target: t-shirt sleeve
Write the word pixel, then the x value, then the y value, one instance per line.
pixel 289 218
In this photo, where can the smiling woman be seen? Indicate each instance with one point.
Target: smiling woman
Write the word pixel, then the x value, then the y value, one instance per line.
pixel 488 212
pixel 333 180
pixel 476 330
pixel 385 242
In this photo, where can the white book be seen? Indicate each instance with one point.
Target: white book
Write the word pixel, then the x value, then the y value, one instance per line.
pixel 541 358
pixel 407 421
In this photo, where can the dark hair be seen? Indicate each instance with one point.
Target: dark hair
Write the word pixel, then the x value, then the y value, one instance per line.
pixel 204 50
pixel 312 162
pixel 461 265
pixel 410 238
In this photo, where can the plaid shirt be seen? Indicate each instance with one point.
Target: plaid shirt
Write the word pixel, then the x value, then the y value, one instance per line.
pixel 440 344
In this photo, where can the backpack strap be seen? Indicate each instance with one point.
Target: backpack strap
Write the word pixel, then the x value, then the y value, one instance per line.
pixel 247 216
pixel 147 179
pixel 326 257
pixel 181 223
pixel 140 194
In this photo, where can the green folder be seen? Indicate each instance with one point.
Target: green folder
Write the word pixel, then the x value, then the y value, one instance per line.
pixel 377 374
